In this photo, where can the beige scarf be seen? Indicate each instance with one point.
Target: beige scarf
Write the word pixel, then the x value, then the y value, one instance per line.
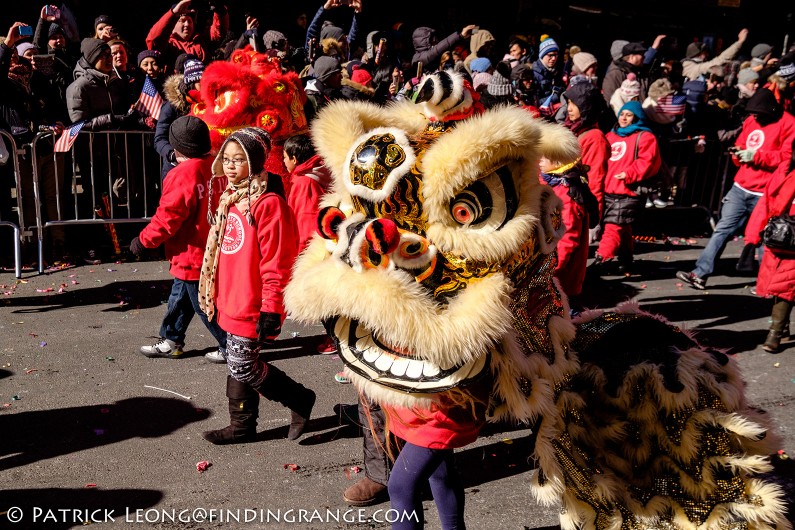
pixel 242 194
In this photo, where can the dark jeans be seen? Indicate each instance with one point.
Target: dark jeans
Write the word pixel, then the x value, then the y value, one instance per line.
pixel 416 466
pixel 183 303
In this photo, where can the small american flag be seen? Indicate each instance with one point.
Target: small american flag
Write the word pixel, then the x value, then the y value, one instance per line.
pixel 673 104
pixel 149 102
pixel 68 137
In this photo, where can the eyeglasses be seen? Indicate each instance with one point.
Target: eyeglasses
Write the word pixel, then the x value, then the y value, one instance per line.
pixel 236 162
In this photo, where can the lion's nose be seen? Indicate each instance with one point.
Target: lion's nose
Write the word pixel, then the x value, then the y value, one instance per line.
pixel 383 236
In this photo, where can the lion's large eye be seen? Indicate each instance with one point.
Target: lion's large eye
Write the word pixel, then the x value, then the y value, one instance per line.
pixel 489 202
pixel 471 206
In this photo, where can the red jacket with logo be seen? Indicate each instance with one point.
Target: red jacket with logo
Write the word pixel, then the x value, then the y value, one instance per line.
pixel 776 272
pixel 163 39
pixel 622 159
pixel 181 218
pixel 773 145
pixel 255 263
pixel 310 181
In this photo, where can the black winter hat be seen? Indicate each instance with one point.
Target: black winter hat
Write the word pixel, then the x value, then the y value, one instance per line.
pixel 55 29
pixel 92 49
pixel 633 48
pixel 330 31
pixel 255 142
pixel 325 67
pixel 190 136
pixel 102 19
pixel 763 103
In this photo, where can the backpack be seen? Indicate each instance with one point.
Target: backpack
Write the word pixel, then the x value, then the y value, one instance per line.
pixel 696 92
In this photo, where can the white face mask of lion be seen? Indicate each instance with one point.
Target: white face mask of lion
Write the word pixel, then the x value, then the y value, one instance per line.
pixel 433 269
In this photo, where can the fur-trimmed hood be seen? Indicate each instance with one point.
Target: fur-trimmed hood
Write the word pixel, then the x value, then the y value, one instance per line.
pixel 358 87
pixel 174 95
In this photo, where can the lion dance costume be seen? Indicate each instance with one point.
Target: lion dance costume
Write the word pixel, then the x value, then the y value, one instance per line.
pixel 251 90
pixel 435 266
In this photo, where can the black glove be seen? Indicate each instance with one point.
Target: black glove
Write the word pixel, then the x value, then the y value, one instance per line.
pixel 269 326
pixel 136 247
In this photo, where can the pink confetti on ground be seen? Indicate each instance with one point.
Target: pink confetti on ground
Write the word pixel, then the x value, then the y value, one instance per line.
pixel 47 290
pixel 292 467
pixel 90 485
pixel 202 466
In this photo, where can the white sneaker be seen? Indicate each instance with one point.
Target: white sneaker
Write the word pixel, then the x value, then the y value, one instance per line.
pixel 659 203
pixel 216 356
pixel 165 348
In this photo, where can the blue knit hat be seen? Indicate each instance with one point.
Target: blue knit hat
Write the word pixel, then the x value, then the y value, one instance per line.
pixel 481 64
pixel 547 46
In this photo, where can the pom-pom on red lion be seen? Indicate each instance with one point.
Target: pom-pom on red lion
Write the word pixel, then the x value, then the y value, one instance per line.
pixel 251 90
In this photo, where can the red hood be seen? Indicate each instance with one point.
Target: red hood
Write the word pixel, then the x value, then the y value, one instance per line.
pixel 314 168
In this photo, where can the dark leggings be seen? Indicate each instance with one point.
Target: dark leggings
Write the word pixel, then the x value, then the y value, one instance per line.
pixel 416 466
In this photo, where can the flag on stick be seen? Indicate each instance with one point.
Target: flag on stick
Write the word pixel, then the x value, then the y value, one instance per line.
pixel 149 102
pixel 68 137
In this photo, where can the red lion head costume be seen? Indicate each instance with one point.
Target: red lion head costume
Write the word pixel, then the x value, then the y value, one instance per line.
pixel 251 90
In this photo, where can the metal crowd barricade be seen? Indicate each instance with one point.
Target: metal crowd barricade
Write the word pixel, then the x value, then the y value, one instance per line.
pixel 13 155
pixel 700 179
pixel 93 165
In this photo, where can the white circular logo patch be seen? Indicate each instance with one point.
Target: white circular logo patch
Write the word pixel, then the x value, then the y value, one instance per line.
pixel 755 140
pixel 234 237
pixel 617 150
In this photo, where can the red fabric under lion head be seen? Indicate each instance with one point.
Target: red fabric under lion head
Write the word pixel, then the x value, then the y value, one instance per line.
pixel 251 90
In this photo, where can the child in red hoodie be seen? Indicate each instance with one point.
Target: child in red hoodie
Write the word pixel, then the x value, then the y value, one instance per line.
pixel 181 223
pixel 247 263
pixel 310 181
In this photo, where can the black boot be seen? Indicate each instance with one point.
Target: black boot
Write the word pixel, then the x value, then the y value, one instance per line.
pixel 780 322
pixel 279 387
pixel 243 412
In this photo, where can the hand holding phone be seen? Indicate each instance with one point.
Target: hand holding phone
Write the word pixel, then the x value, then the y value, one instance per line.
pixel 25 31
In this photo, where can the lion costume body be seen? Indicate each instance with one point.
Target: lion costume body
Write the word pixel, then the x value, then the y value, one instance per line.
pixel 434 266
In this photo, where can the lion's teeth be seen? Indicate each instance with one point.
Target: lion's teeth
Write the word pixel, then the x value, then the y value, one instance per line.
pixel 371 354
pixel 383 363
pixel 414 369
pixel 399 367
pixel 430 370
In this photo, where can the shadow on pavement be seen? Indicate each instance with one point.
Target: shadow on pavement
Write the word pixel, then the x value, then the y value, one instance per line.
pixel 487 463
pixel 699 307
pixel 124 296
pixel 32 436
pixel 5 373
pixel 40 507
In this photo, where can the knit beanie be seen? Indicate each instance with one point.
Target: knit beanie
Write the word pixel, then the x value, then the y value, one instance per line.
pixel 148 53
pixel 193 71
pixel 255 142
pixel 547 45
pixel 102 19
pixel 25 46
pixel 760 50
pixel 325 67
pixel 330 31
pixel 481 79
pixel 361 76
pixel 746 75
pixel 630 87
pixel 55 29
pixel 616 48
pixel 763 102
pixel 190 136
pixel 786 67
pixel 272 39
pixel 92 49
pixel 583 60
pixel 481 64
pixel 498 85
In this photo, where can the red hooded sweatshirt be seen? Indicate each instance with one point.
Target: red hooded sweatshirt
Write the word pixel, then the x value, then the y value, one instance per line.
pixel 773 146
pixel 181 217
pixel 255 264
pixel 310 181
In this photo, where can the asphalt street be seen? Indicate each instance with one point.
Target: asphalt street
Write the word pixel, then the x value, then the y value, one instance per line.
pixel 92 431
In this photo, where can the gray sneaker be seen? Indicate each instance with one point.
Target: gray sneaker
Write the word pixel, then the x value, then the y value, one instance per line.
pixel 694 281
pixel 216 356
pixel 164 348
